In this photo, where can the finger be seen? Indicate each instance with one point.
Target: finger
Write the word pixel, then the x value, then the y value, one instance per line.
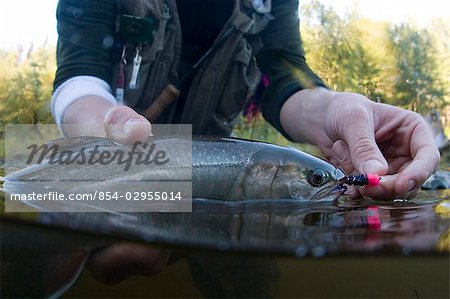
pixel 424 164
pixel 121 260
pixel 394 149
pixel 398 164
pixel 341 156
pixel 124 125
pixel 365 154
pixel 353 192
pixel 424 153
pixel 384 191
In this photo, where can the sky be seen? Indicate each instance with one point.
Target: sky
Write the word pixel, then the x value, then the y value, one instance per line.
pixel 23 22
pixel 420 11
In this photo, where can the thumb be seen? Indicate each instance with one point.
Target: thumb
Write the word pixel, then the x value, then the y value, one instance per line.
pixel 365 154
pixel 125 126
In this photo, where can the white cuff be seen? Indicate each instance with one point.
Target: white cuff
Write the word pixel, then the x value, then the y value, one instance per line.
pixel 77 87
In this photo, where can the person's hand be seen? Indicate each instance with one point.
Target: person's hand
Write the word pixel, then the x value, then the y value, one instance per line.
pixel 361 136
pixel 97 117
pixel 119 261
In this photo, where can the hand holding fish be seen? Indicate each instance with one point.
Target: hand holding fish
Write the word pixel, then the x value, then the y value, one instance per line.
pixel 121 123
pixel 362 136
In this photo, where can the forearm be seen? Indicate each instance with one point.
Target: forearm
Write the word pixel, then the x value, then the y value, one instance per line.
pixel 283 60
pixel 303 115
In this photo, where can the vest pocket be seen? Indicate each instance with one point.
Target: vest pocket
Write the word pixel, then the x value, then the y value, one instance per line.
pixel 219 91
pixel 240 84
pixel 157 80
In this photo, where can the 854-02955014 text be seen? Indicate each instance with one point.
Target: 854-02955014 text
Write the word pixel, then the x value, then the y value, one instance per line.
pixel 98 196
pixel 93 174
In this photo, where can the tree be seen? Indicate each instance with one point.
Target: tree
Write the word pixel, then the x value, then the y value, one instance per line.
pixel 26 86
pixel 417 81
pixel 336 51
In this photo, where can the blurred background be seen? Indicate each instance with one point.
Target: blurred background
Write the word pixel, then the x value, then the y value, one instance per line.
pixel 394 52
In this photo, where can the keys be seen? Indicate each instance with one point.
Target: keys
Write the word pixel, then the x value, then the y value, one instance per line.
pixel 136 66
pixel 121 78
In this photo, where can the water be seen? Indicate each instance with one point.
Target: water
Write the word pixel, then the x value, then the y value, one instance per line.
pixel 279 226
pixel 251 249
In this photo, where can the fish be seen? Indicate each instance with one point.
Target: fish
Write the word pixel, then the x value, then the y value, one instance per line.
pixel 219 168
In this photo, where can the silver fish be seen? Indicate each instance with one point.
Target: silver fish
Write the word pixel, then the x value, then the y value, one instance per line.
pixel 221 169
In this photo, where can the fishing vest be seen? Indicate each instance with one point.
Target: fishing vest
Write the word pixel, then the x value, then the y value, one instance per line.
pixel 227 78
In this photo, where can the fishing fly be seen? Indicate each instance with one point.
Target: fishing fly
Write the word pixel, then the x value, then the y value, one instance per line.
pixel 369 179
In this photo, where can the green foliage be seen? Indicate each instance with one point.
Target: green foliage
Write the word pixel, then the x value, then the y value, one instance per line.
pixel 26 86
pixel 336 51
pixel 26 81
pixel 397 64
pixel 417 77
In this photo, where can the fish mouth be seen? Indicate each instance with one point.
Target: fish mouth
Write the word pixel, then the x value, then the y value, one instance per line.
pixel 335 190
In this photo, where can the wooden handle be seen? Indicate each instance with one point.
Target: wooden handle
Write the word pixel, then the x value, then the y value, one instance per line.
pixel 167 96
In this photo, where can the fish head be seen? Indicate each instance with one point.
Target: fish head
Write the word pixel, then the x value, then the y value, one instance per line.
pixel 308 177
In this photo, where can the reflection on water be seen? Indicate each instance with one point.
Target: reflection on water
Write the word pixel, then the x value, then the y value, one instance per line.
pixel 281 226
pixel 273 227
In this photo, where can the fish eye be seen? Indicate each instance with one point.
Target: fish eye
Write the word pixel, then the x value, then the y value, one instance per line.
pixel 318 177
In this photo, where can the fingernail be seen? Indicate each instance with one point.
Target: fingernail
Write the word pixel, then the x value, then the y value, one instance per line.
pixel 410 185
pixel 372 166
pixel 130 125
